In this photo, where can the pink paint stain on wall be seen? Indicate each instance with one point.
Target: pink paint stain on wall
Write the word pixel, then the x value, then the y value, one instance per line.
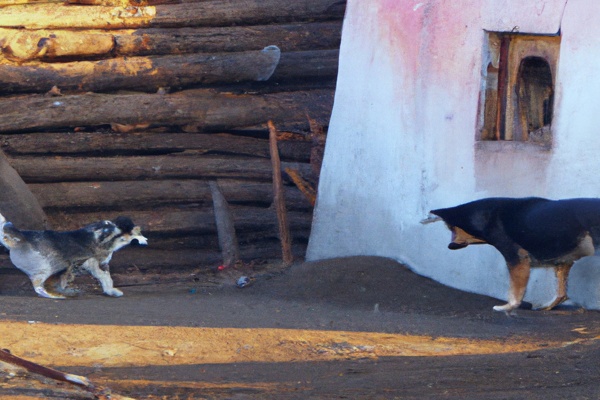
pixel 400 25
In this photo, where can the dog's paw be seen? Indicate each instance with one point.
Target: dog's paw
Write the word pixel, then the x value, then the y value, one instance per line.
pixel 553 304
pixel 508 307
pixel 43 293
pixel 114 292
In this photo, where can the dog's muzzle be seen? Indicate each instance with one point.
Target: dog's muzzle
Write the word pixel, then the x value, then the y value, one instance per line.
pixel 141 239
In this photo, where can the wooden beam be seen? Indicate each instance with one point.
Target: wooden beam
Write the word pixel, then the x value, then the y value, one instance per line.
pixel 307 65
pixel 288 37
pixel 109 195
pixel 53 16
pixel 141 73
pixel 254 12
pixel 165 221
pixel 204 13
pixel 175 166
pixel 139 143
pixel 19 45
pixel 197 110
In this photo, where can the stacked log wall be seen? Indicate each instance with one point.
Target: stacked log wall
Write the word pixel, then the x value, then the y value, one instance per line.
pixel 127 107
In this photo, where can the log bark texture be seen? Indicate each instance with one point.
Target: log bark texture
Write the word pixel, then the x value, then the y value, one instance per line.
pixel 205 13
pixel 148 143
pixel 25 45
pixel 201 110
pixel 178 96
pixel 288 37
pixel 141 73
pixel 136 195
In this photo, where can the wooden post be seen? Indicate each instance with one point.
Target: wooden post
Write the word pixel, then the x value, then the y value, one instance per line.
pixel 279 198
pixel 225 226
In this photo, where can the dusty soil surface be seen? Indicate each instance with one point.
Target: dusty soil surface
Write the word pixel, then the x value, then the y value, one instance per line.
pixel 357 328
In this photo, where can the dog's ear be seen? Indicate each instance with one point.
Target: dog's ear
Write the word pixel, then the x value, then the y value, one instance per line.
pixel 125 224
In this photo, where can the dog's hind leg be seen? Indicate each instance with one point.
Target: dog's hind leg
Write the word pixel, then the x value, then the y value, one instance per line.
pixel 38 285
pixel 93 267
pixel 519 276
pixel 562 274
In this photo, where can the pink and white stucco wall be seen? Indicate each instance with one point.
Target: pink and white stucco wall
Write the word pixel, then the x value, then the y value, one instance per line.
pixel 402 136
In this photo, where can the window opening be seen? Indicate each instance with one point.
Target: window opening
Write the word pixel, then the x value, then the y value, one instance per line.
pixel 518 87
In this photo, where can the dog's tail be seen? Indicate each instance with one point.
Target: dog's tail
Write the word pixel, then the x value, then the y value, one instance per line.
pixel 9 235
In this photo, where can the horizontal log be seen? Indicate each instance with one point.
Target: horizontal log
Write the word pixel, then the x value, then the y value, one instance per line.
pixel 307 64
pixel 149 194
pixel 113 3
pixel 53 16
pixel 22 45
pixel 180 166
pixel 288 37
pixel 197 110
pixel 26 45
pixel 165 222
pixel 205 13
pixel 141 73
pixel 145 265
pixel 252 12
pixel 140 143
pixel 174 166
pixel 4 3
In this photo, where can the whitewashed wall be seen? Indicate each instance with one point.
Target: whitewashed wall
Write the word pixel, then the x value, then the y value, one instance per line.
pixel 402 136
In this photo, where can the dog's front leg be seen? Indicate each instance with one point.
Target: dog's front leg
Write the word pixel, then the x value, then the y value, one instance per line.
pixel 519 276
pixel 93 267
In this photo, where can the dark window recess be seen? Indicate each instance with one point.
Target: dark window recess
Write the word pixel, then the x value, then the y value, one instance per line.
pixel 518 88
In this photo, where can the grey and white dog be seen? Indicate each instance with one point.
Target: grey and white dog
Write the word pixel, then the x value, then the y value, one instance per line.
pixel 41 254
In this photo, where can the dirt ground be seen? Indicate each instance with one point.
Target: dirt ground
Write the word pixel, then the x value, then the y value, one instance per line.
pixel 352 328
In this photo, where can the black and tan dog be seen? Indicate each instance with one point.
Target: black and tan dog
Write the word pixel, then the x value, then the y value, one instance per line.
pixel 41 254
pixel 528 232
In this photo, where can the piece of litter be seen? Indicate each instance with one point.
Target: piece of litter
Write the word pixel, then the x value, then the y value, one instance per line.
pixel 243 282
